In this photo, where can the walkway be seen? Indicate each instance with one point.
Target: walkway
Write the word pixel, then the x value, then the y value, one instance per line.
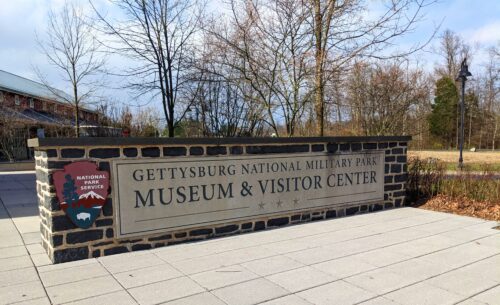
pixel 400 256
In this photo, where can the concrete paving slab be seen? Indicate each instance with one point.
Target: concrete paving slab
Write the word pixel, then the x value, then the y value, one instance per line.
pixel 379 281
pixel 144 276
pixel 287 300
pixel 301 279
pixel 13 263
pixel 490 296
pixel 21 292
pixel 166 291
pixel 344 267
pixel 119 297
pixel 251 292
pixel 423 294
pixel 74 274
pixel 462 282
pixel 339 293
pixel 205 298
pixel 18 276
pixel 272 265
pixel 82 290
pixel 223 277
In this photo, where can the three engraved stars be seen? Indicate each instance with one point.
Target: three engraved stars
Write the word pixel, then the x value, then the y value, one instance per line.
pixel 278 203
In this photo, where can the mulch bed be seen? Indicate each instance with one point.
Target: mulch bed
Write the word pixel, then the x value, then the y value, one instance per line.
pixel 463 206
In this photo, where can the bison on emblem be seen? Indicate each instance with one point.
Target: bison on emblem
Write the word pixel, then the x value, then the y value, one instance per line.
pixel 82 190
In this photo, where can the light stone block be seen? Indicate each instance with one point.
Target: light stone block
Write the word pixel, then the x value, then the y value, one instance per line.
pixel 287 300
pixel 271 265
pixel 462 282
pixel 205 298
pixel 13 263
pixel 490 296
pixel 119 298
pixel 344 267
pixel 18 276
pixel 144 276
pixel 130 261
pixel 73 274
pixel 21 292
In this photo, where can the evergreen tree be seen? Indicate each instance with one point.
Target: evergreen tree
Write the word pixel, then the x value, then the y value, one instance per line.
pixel 442 120
pixel 69 192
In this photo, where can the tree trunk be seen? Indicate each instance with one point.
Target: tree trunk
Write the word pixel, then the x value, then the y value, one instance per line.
pixel 319 104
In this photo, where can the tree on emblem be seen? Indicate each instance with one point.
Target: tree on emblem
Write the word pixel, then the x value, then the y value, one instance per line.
pixel 69 192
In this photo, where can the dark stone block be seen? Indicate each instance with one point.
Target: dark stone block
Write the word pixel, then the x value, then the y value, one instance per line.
pixel 403 143
pixel 363 208
pixel 388 205
pixel 130 152
pixel 161 237
pixel 331 214
pixel 405 168
pixel 51 153
pixel 180 235
pixel 70 254
pixel 317 147
pixel 199 232
pixel 104 222
pixel 393 187
pixel 355 146
pixel 109 233
pixel 332 147
pixel 295 218
pixel 369 145
pixel 57 164
pixel 115 250
pixel 393 144
pixel 402 159
pixel 396 168
pixel 316 218
pixel 129 241
pixel 277 149
pixel 141 247
pixel 83 236
pixel 345 147
pixel 62 223
pixel 397 151
pixel 216 150
pixel 158 245
pixel 107 208
pixel 196 151
pixel 306 217
pixel 236 150
pixel 72 153
pixel 104 243
pixel 277 222
pixel 399 194
pixel 56 240
pixel 96 253
pixel 401 178
pixel 390 158
pixel 386 197
pixel 104 153
pixel 376 207
pixel 387 168
pixel 387 152
pixel 388 179
pixel 351 211
pixel 226 229
pixel 246 226
pixel 259 225
pixel 174 151
pixel 383 145
pixel 150 152
pixel 397 202
pixel 104 166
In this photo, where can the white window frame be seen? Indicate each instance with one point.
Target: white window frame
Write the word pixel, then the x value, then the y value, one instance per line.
pixel 32 103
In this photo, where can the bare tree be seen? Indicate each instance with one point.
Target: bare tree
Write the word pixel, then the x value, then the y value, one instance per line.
pixel 71 46
pixel 342 32
pixel 158 35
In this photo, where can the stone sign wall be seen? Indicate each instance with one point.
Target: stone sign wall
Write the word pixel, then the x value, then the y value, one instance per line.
pixel 166 191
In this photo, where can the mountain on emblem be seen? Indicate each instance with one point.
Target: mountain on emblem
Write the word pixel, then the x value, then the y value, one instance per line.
pixel 82 190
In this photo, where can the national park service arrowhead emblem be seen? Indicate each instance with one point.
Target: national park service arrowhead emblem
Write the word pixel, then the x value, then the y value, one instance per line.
pixel 82 190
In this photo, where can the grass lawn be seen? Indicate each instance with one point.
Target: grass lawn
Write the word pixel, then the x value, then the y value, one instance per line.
pixel 475 161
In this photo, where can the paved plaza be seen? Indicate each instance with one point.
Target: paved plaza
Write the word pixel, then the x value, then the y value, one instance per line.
pixel 400 256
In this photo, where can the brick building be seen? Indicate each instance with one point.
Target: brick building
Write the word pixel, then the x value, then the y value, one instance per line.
pixel 27 107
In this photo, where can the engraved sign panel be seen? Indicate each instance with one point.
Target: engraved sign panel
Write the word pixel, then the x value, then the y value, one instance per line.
pixel 153 196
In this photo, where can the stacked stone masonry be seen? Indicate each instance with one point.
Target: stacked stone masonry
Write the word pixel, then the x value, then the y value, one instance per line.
pixel 65 242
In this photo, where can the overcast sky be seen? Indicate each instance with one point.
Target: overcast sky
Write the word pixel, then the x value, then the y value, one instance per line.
pixel 478 22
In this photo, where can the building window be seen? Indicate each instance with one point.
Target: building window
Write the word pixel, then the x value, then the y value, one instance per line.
pixel 17 101
pixel 32 103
